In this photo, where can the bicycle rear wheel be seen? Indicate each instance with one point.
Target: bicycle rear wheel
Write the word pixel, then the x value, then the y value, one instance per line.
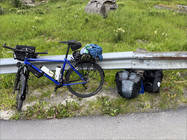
pixel 92 74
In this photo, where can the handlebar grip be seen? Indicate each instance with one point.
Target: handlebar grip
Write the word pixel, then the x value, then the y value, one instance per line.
pixel 41 53
pixel 65 42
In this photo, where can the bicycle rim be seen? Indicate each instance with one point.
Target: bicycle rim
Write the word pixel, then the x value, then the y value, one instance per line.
pixel 19 100
pixel 93 75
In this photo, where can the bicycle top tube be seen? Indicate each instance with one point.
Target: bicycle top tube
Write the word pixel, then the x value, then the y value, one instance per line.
pixel 45 60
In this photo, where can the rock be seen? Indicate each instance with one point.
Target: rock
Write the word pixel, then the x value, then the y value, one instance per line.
pixel 1 10
pixel 140 41
pixel 24 107
pixel 185 92
pixel 28 2
pixel 162 7
pixel 101 7
pixel 178 8
pixel 182 8
pixel 6 115
pixel 141 50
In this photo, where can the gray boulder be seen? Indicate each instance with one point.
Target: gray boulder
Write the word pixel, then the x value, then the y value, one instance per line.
pixel 28 2
pixel 182 8
pixel 101 7
pixel 178 9
pixel 1 10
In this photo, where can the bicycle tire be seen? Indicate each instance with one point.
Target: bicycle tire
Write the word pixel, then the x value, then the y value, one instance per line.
pixel 16 82
pixel 19 99
pixel 87 70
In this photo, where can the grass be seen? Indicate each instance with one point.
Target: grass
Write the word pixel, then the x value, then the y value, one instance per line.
pixel 171 96
pixel 135 24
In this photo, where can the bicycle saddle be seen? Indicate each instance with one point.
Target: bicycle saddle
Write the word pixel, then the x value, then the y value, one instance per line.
pixel 75 45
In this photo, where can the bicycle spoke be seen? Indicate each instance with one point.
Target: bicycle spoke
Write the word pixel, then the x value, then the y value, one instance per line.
pixel 92 75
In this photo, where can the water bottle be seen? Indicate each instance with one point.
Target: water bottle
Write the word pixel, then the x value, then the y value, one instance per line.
pixel 47 71
pixel 58 73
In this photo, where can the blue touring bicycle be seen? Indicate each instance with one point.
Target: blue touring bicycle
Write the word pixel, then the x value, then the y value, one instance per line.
pixel 84 78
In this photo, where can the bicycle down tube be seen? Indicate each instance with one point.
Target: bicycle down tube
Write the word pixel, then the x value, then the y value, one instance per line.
pixel 65 61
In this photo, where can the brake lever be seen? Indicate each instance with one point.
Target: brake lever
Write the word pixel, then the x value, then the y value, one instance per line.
pixel 4 45
pixel 41 53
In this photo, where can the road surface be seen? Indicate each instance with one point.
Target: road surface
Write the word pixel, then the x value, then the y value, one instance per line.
pixel 171 125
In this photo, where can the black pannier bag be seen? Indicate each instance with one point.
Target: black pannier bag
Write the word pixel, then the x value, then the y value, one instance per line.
pixel 152 80
pixel 21 55
pixel 128 84
pixel 34 72
pixel 82 57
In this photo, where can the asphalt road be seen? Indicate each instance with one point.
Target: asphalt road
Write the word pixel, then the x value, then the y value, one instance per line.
pixel 171 125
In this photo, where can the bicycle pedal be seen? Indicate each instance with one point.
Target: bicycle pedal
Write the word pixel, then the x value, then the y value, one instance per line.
pixel 55 90
pixel 84 86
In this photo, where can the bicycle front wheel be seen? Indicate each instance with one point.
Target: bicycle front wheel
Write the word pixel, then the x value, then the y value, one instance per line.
pixel 92 74
pixel 21 92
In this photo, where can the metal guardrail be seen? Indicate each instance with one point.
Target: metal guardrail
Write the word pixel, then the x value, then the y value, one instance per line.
pixel 118 60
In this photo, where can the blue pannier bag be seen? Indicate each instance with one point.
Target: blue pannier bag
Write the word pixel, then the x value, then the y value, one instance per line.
pixel 94 50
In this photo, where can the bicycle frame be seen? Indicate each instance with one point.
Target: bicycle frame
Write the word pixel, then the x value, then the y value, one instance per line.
pixel 29 55
pixel 65 61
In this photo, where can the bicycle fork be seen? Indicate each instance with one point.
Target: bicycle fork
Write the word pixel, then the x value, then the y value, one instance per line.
pixel 25 77
pixel 21 76
pixel 17 79
pixel 23 89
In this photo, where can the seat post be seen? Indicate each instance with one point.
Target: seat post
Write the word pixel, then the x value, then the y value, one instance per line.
pixel 67 51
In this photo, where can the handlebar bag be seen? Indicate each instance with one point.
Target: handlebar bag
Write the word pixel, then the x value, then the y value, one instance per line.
pixel 22 55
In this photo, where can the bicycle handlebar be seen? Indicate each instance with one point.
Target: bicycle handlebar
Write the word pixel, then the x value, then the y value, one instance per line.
pixel 64 42
pixel 5 46
pixel 16 50
pixel 41 53
pixel 70 42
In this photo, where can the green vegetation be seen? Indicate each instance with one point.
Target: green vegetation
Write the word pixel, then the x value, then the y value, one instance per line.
pixel 39 111
pixel 135 24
